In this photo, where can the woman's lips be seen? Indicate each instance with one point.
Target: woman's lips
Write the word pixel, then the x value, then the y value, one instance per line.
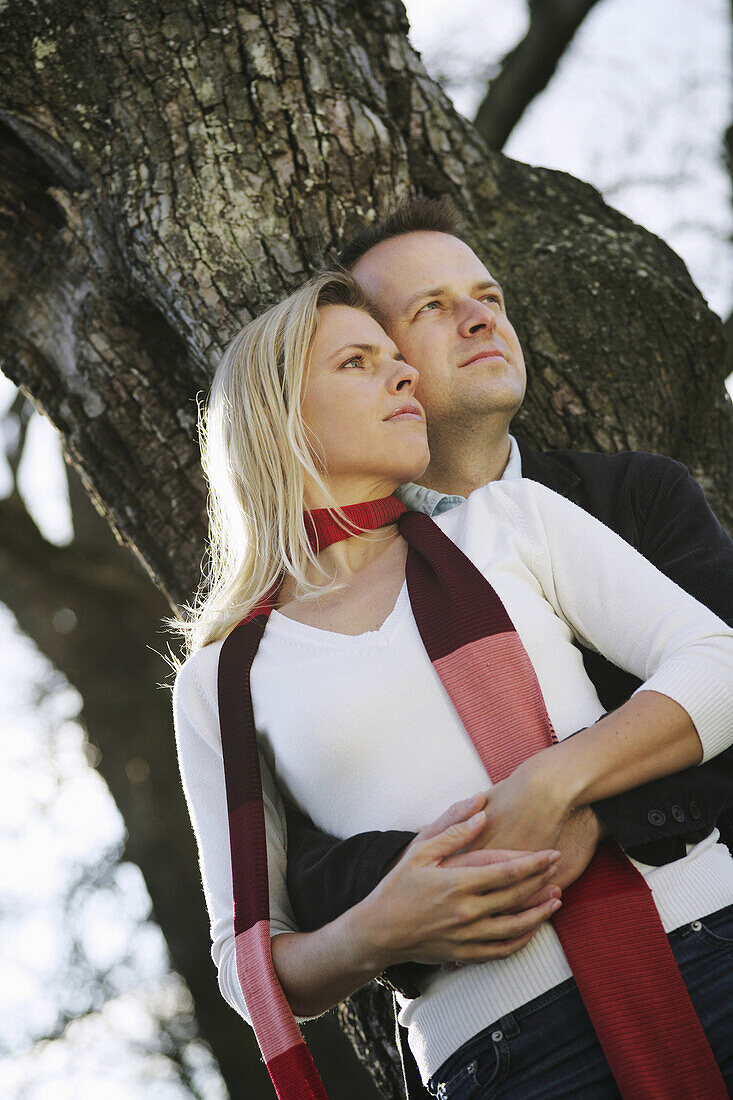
pixel 407 412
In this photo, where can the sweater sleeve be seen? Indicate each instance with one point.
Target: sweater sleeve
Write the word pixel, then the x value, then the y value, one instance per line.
pixel 198 742
pixel 618 603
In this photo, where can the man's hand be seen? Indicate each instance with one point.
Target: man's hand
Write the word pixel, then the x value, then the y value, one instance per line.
pixel 577 842
pixel 528 809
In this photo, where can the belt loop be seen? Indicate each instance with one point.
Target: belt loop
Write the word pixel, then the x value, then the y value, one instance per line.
pixel 509 1025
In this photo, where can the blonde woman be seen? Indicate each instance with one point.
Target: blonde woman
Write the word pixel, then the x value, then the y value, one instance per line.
pixel 313 408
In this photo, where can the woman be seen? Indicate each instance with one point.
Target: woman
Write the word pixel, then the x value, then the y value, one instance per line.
pixel 312 407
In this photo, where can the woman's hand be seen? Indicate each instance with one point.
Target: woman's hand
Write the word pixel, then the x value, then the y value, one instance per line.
pixel 427 912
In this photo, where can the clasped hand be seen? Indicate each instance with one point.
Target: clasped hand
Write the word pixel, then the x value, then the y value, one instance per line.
pixel 527 811
pixel 477 883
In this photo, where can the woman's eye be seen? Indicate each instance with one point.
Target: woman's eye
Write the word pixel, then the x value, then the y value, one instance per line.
pixel 357 360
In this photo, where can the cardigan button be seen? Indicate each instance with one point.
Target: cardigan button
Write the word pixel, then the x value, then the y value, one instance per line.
pixel 656 817
pixel 677 813
pixel 694 811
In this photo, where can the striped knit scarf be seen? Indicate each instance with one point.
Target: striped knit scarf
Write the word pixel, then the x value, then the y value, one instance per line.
pixel 608 926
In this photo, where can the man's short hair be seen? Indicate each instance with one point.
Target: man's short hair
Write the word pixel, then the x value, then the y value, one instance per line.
pixel 418 215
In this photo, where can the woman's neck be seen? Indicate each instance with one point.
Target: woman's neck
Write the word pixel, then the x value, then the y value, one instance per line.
pixel 369 572
pixel 349 557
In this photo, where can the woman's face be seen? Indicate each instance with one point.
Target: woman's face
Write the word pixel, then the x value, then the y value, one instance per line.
pixel 359 403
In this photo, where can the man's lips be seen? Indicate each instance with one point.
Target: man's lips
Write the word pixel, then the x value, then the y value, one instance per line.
pixel 492 353
pixel 409 412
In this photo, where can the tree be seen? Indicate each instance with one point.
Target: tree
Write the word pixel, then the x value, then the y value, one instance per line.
pixel 171 168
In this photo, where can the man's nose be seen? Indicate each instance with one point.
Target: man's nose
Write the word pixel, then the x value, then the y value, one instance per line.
pixel 478 317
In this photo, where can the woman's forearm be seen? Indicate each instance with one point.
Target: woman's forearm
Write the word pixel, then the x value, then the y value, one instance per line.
pixel 318 970
pixel 649 736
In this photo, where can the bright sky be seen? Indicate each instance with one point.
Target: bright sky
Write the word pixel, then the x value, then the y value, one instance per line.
pixel 642 99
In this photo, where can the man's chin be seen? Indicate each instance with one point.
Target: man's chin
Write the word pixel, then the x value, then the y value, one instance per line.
pixel 486 403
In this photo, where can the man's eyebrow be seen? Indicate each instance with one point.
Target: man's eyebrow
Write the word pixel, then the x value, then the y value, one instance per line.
pixel 436 292
pixel 370 349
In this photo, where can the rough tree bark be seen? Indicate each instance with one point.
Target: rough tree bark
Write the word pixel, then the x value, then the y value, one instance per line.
pixel 170 167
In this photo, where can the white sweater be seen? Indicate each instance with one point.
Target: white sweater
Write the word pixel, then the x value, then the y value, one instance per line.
pixel 360 733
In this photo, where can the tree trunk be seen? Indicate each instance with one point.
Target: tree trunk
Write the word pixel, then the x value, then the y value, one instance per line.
pixel 172 167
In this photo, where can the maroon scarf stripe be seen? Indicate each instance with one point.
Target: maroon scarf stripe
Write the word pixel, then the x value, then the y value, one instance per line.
pixel 242 776
pixel 295 1075
pixel 248 844
pixel 236 657
pixel 449 579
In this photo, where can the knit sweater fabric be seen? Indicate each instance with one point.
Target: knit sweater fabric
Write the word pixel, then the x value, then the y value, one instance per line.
pixel 359 732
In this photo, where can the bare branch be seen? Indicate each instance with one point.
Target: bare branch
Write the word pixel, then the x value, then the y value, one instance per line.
pixel 65 572
pixel 527 69
pixel 21 412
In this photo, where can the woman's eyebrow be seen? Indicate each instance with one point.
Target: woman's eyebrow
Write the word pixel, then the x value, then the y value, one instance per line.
pixel 370 349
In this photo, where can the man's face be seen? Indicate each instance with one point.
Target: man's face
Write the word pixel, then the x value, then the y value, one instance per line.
pixel 446 315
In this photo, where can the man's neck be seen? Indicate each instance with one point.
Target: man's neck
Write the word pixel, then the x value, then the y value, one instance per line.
pixel 461 461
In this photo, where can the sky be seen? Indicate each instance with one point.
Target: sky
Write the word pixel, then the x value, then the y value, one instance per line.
pixel 637 108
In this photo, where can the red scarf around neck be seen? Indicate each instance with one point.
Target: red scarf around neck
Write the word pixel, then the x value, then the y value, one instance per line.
pixel 608 926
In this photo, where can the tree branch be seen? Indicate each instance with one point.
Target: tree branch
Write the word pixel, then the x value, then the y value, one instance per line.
pixel 527 69
pixel 68 572
pixel 20 411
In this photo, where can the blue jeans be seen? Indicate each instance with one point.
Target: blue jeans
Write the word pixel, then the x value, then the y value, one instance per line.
pixel 547 1049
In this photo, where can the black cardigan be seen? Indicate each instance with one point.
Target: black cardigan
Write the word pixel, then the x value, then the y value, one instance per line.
pixel 656 506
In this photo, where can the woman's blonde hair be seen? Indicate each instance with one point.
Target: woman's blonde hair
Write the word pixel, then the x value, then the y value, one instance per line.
pixel 257 455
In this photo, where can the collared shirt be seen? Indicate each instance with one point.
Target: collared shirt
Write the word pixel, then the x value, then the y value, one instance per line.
pixel 419 499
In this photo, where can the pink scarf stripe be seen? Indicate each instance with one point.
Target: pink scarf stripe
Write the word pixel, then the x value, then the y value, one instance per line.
pixel 273 1022
pixel 510 695
pixel 288 1060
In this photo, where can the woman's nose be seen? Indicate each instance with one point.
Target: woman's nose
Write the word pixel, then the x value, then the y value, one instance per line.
pixel 404 377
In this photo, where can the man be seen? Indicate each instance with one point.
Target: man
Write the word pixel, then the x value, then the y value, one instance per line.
pixel 446 313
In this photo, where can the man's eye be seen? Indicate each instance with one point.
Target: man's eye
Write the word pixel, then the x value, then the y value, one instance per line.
pixel 493 297
pixel 429 307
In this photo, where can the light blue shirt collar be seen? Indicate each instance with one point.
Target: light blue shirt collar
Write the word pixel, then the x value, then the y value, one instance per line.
pixel 419 499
